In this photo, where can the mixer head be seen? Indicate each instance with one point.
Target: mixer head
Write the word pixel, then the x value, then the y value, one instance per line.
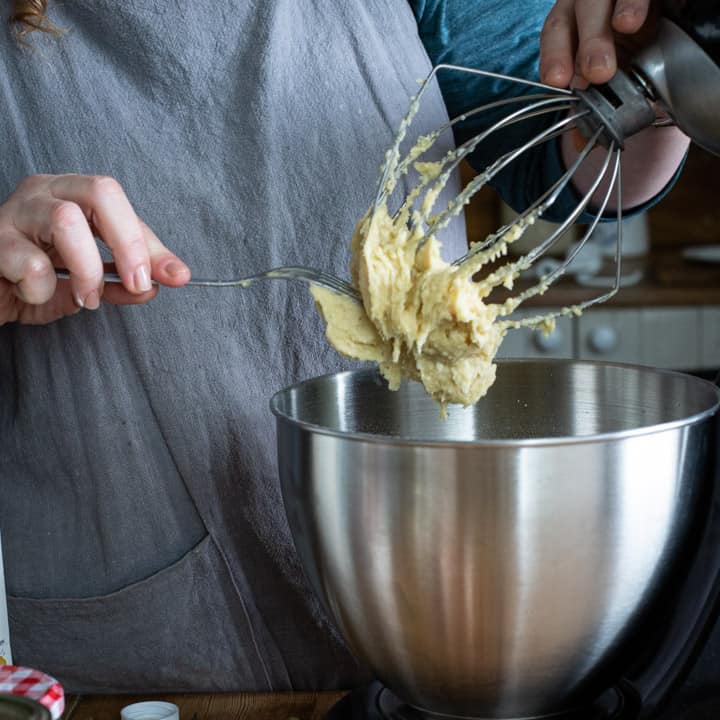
pixel 682 68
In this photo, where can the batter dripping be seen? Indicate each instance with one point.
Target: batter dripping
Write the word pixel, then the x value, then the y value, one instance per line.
pixel 421 317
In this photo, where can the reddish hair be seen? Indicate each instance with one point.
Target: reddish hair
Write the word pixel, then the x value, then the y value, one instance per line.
pixel 29 15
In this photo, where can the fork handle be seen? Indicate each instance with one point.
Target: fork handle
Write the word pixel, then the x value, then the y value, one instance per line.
pixel 115 278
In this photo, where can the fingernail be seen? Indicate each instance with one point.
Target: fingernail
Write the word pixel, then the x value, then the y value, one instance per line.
pixel 555 71
pixel 597 62
pixel 92 300
pixel 142 279
pixel 627 11
pixel 78 300
pixel 175 268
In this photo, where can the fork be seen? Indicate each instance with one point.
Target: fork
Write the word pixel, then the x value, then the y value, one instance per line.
pixel 297 273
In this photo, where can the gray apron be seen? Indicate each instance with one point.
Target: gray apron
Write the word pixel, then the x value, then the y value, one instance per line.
pixel 146 546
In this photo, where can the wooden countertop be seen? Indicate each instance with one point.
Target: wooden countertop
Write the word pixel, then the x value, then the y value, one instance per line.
pixel 210 706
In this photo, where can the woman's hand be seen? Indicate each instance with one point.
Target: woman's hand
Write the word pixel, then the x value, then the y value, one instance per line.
pixel 578 40
pixel 49 222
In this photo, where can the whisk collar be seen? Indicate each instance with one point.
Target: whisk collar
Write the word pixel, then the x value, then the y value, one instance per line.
pixel 620 107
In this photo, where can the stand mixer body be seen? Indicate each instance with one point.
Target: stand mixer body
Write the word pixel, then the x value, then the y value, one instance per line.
pixel 686 80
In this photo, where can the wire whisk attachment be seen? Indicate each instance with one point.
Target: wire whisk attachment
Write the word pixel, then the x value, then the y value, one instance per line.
pixel 434 321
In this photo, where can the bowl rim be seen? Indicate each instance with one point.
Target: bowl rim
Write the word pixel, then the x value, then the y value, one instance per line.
pixel 502 442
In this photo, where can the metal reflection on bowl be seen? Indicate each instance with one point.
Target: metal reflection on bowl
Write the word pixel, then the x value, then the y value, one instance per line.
pixel 496 564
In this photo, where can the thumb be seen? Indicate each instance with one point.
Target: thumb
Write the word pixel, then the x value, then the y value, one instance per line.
pixel 167 268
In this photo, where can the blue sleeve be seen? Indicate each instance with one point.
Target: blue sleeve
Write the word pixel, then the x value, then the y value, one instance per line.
pixel 502 37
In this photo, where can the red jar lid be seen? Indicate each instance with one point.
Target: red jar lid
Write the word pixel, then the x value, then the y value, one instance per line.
pixel 33 685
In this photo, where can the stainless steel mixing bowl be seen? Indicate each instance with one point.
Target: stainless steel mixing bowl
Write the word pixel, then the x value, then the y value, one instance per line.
pixel 496 564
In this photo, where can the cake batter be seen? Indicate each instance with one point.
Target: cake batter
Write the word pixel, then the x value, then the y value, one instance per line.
pixel 422 317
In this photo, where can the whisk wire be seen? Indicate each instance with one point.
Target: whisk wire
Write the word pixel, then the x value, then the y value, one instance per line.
pixel 394 151
pixel 453 208
pixel 539 288
pixel 543 247
pixel 499 76
pixel 404 164
pixel 540 205
pixel 454 157
pixel 577 111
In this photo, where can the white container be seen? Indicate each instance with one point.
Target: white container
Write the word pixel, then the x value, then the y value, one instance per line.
pixel 635 237
pixel 5 654
pixel 150 710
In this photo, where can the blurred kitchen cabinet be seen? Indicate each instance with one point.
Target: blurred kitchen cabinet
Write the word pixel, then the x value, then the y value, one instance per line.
pixel 710 346
pixel 671 337
pixel 678 338
pixel 612 335
pixel 668 337
pixel 527 342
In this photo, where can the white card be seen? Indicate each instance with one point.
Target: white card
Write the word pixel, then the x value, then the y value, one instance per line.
pixel 5 654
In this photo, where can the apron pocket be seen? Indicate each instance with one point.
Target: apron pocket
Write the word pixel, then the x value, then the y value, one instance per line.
pixel 183 628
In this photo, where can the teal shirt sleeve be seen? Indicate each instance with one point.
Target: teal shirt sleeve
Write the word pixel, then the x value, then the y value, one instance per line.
pixel 502 37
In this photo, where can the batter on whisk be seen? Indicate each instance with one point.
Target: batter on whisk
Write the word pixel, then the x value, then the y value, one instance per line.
pixel 421 317
pixel 418 319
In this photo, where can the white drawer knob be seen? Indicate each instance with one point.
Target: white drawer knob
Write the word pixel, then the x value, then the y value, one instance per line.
pixel 547 342
pixel 603 339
